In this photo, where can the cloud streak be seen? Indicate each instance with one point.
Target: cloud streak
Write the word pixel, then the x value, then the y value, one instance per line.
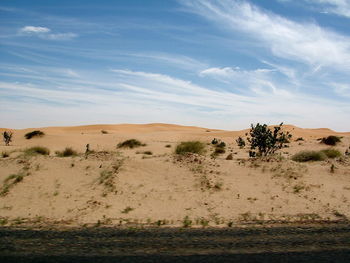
pixel 44 33
pixel 302 42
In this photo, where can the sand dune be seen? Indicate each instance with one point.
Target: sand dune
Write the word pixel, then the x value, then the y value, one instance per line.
pixel 124 186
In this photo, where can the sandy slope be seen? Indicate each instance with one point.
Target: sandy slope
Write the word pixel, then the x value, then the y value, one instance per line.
pixel 148 188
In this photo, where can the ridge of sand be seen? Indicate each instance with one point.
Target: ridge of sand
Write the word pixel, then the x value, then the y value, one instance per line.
pixel 152 127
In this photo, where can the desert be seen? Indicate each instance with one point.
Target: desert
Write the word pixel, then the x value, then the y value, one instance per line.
pixel 151 185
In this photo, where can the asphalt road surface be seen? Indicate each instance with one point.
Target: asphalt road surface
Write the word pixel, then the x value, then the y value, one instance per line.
pixel 303 243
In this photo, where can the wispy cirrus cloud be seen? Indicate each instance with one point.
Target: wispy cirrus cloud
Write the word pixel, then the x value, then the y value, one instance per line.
pixel 45 33
pixel 338 7
pixel 302 42
pixel 34 29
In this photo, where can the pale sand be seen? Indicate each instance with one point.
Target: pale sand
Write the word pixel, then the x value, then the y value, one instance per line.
pixel 161 187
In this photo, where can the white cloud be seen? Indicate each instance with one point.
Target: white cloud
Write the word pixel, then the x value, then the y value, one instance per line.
pixel 338 7
pixel 60 36
pixel 44 33
pixel 35 29
pixel 221 72
pixel 134 96
pixel 302 42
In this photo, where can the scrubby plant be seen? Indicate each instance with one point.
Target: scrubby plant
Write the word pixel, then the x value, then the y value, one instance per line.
pixel 147 152
pixel 299 139
pixel 168 146
pixel 5 154
pixel 331 140
pixel 331 153
pixel 264 141
pixel 10 181
pixel 219 150
pixel 32 134
pixel 37 150
pixel 190 147
pixel 240 142
pixel 306 156
pixel 104 132
pixel 68 151
pixel 186 222
pixel 221 145
pixel 131 143
pixel 7 137
pixel 214 141
pixel 229 157
pixel 127 210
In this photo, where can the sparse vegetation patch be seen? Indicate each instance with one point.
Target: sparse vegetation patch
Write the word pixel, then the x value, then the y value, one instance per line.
pixel 307 156
pixel 10 181
pixel 240 142
pixel 5 154
pixel 331 153
pixel 32 134
pixel 131 143
pixel 37 150
pixel 331 140
pixel 190 147
pixel 68 151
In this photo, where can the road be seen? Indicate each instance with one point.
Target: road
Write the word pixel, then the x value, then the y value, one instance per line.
pixel 298 243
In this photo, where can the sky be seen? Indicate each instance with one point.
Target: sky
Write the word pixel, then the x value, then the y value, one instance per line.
pixel 212 63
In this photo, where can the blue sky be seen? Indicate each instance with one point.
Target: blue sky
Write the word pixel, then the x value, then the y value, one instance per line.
pixel 217 64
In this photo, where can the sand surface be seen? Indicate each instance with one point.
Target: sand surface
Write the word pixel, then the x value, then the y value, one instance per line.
pixel 165 189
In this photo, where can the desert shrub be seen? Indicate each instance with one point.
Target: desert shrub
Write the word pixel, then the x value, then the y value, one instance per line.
pixel 104 132
pixel 132 143
pixel 299 139
pixel 10 181
pixel 148 153
pixel 331 153
pixel 68 151
pixel 331 140
pixel 219 150
pixel 306 156
pixel 221 145
pixel 264 141
pixel 214 141
pixel 5 154
pixel 37 150
pixel 168 146
pixel 229 157
pixel 32 134
pixel 190 147
pixel 7 137
pixel 240 142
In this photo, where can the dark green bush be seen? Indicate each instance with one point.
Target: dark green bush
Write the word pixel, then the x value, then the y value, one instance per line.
pixel 306 156
pixel 190 147
pixel 240 142
pixel 264 141
pixel 219 150
pixel 331 140
pixel 68 151
pixel 214 141
pixel 37 150
pixel 331 153
pixel 32 134
pixel 5 154
pixel 132 143
pixel 221 145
